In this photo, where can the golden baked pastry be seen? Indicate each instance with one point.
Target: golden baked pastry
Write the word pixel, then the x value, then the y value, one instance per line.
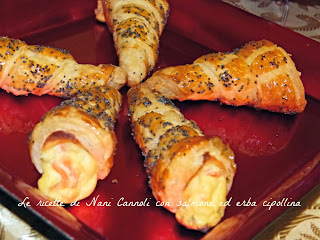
pixel 190 174
pixel 136 27
pixel 74 144
pixel 260 74
pixel 32 69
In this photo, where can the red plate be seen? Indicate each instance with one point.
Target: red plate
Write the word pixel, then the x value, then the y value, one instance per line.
pixel 277 155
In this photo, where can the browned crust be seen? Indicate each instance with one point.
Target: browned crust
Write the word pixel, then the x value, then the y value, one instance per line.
pixel 260 74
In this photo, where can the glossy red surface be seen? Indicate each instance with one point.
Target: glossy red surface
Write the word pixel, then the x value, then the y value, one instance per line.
pixel 277 155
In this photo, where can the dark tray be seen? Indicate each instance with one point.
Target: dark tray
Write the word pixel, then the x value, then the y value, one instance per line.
pixel 277 155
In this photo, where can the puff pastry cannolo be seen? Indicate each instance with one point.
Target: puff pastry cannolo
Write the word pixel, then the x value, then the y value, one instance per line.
pixel 74 144
pixel 136 27
pixel 260 74
pixel 190 174
pixel 33 69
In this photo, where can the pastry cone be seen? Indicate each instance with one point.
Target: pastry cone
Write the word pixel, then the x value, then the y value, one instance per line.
pixel 190 174
pixel 260 74
pixel 136 27
pixel 31 69
pixel 74 144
